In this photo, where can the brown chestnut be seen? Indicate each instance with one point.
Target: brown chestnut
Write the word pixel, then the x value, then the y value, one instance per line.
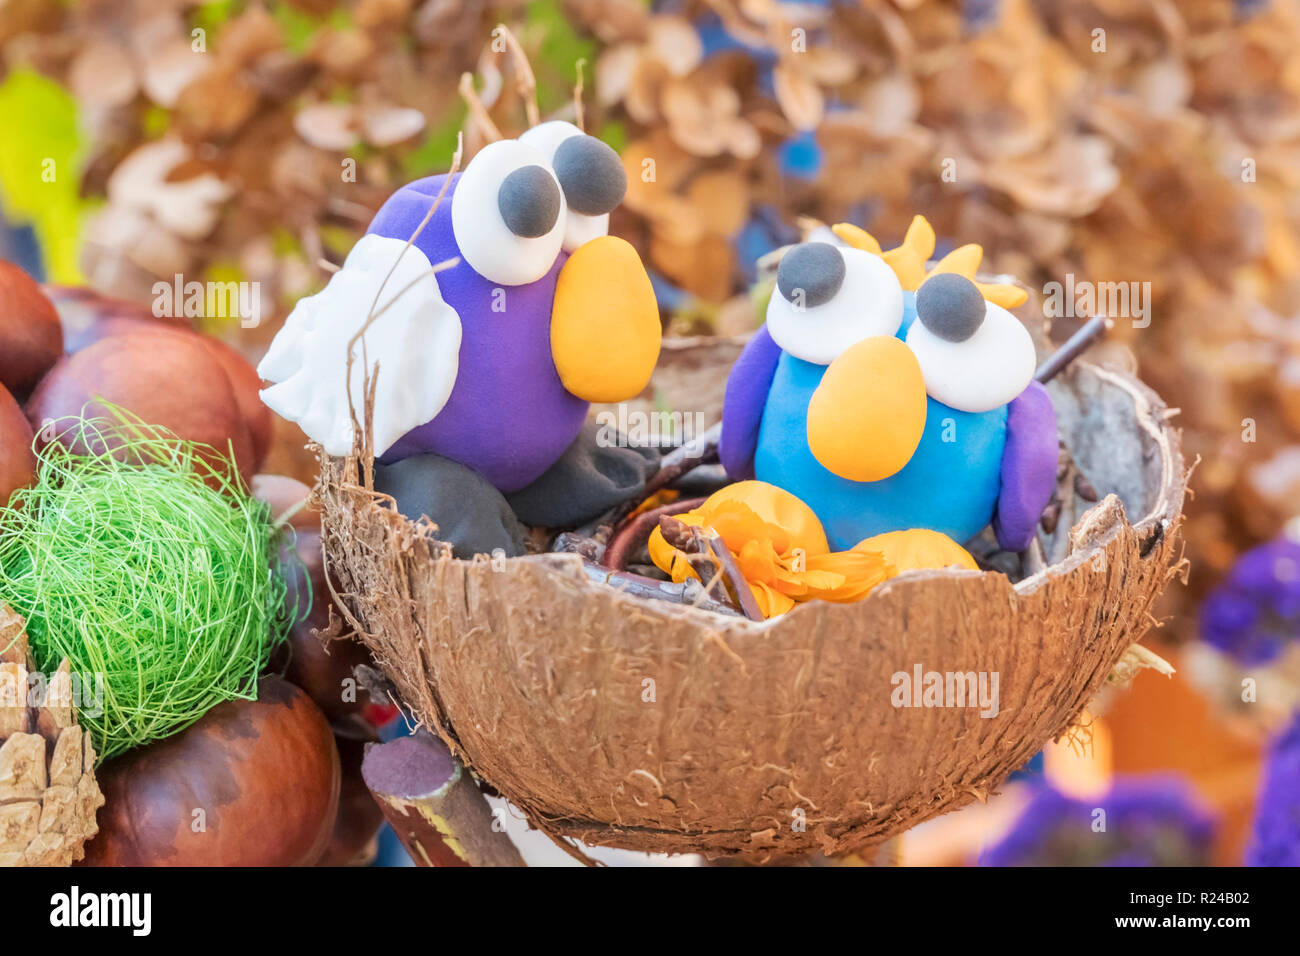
pixel 166 378
pixel 244 383
pixel 247 386
pixel 17 463
pixel 253 783
pixel 88 316
pixel 286 495
pixel 319 668
pixel 325 670
pixel 359 817
pixel 31 338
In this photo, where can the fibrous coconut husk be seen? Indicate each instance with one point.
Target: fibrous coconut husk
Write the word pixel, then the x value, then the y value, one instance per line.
pixel 646 725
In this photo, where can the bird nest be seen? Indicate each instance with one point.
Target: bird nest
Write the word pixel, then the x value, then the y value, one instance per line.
pixel 620 721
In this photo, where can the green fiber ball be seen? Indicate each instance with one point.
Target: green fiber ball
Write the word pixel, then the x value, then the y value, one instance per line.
pixel 149 568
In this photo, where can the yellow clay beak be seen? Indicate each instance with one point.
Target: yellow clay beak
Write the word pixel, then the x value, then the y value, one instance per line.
pixel 866 418
pixel 605 330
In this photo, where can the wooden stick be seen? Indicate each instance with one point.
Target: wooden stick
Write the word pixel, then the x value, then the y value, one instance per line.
pixel 1089 333
pixel 692 542
pixel 434 806
pixel 690 593
pixel 685 458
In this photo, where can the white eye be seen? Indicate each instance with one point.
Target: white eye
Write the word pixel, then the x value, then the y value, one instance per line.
pixel 975 356
pixel 508 213
pixel 828 298
pixel 590 173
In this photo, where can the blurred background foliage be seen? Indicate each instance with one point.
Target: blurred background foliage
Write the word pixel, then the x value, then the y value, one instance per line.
pixel 1146 141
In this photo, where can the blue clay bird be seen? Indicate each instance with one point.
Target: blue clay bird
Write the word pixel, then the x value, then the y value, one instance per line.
pixel 886 409
pixel 493 361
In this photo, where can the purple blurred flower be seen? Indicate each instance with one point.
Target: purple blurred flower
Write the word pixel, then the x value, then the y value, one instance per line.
pixel 979 14
pixel 1276 840
pixel 1154 821
pixel 1255 611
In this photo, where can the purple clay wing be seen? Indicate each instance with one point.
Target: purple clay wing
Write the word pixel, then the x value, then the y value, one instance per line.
pixel 742 407
pixel 1028 467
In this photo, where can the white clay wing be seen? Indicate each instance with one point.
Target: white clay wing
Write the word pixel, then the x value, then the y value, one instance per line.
pixel 413 346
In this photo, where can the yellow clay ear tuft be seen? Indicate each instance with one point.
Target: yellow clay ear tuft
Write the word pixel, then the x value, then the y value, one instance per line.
pixel 1007 296
pixel 856 237
pixel 920 238
pixel 964 261
pixel 909 269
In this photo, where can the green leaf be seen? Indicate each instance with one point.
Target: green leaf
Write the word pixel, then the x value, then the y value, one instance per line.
pixel 433 156
pixel 210 16
pixel 558 54
pixel 614 133
pixel 155 121
pixel 41 166
pixel 299 27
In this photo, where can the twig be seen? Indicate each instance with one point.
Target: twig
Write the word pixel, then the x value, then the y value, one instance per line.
pixel 527 83
pixel 579 114
pixel 434 806
pixel 1078 343
pixel 688 539
pixel 737 580
pixel 570 542
pixel 363 432
pixel 688 594
pixel 678 462
pixel 693 540
pixel 626 536
pixel 477 111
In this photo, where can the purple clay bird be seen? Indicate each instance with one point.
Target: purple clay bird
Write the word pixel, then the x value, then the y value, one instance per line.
pixel 493 361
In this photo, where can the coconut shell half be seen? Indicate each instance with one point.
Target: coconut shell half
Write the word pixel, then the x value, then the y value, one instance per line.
pixel 650 726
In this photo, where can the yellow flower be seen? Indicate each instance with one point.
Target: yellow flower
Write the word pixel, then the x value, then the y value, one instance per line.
pixel 910 259
pixel 779 546
pixel 917 548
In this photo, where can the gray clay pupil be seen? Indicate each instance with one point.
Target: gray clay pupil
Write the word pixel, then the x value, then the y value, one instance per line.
pixel 529 201
pixel 813 270
pixel 950 306
pixel 591 173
